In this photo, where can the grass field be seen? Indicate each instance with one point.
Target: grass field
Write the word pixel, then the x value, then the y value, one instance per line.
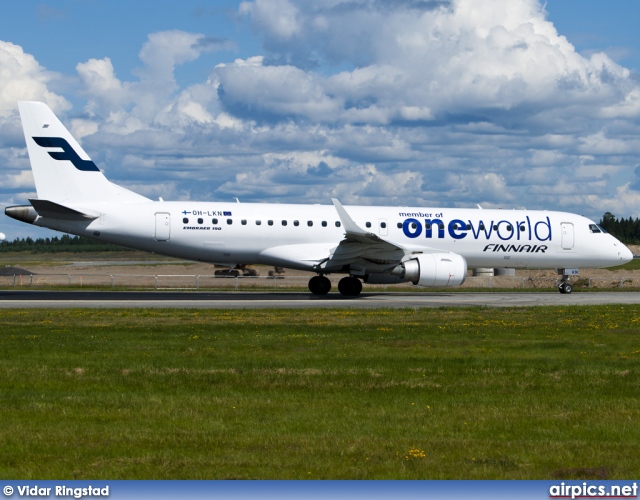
pixel 629 266
pixel 535 393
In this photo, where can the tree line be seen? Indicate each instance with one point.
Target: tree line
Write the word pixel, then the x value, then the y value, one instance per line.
pixel 64 243
pixel 626 230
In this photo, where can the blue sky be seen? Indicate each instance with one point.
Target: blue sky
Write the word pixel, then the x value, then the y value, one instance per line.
pixel 506 103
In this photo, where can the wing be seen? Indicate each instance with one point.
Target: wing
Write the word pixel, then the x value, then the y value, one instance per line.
pixel 362 248
pixel 360 251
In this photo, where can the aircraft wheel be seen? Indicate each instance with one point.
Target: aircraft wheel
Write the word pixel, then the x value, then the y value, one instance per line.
pixel 350 286
pixel 319 285
pixel 565 287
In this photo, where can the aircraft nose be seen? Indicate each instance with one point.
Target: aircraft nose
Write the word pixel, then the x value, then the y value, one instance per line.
pixel 624 253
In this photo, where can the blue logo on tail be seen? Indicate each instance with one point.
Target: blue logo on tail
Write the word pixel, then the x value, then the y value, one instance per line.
pixel 67 153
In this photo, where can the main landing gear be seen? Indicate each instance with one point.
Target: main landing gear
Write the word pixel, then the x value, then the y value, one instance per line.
pixel 319 285
pixel 348 286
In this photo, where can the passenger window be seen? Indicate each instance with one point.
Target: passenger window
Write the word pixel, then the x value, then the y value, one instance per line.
pixel 185 221
pixel 383 225
pixel 243 222
pixel 284 222
pixel 296 223
pixel 368 224
pixel 495 228
pixel 200 220
pixel 258 222
pixel 509 228
pixel 482 226
pixel 399 225
pixel 414 225
pixel 324 223
pixel 521 228
pixel 270 222
pixel 229 221
pixel 468 227
pixel 309 223
pixel 338 223
pixel 214 222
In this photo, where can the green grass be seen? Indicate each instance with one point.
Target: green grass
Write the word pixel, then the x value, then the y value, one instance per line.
pixel 629 266
pixel 473 393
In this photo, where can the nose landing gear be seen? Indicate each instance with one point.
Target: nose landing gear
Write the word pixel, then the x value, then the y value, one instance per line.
pixel 565 286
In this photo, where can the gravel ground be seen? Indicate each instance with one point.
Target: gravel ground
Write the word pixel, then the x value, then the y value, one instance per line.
pixel 86 270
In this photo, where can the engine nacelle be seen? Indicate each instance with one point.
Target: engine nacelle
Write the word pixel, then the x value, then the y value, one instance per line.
pixel 434 269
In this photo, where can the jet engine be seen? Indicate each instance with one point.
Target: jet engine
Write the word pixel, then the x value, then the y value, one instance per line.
pixel 433 269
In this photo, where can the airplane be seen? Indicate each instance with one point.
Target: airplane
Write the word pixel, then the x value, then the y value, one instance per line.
pixel 425 246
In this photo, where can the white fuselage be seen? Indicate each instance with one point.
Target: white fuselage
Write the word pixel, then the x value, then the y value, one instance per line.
pixel 299 236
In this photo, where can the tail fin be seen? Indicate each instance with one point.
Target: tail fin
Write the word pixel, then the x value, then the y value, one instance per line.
pixel 63 172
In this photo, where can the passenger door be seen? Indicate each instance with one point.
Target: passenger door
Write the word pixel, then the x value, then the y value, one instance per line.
pixel 163 226
pixel 567 235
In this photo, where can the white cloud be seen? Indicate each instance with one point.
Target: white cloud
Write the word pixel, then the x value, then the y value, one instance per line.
pixel 450 58
pixel 21 180
pixel 278 16
pixel 24 79
pixel 599 144
pixel 153 99
pixel 105 90
pixel 165 50
pixel 264 91
pixel 489 186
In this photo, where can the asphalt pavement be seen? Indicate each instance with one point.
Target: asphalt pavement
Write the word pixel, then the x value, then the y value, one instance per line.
pixel 288 300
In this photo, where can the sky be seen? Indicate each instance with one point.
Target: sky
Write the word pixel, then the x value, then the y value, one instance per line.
pixel 428 103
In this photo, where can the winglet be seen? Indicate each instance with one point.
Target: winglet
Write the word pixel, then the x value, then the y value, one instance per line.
pixel 352 230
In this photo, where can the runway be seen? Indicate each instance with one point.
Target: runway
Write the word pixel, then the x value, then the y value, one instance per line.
pixel 287 300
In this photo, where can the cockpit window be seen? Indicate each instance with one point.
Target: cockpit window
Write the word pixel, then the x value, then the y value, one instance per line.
pixel 603 230
pixel 594 228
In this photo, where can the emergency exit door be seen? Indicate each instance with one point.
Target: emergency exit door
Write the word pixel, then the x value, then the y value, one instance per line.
pixel 163 226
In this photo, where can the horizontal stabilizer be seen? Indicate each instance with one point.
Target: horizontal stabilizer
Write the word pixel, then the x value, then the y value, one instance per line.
pixel 51 210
